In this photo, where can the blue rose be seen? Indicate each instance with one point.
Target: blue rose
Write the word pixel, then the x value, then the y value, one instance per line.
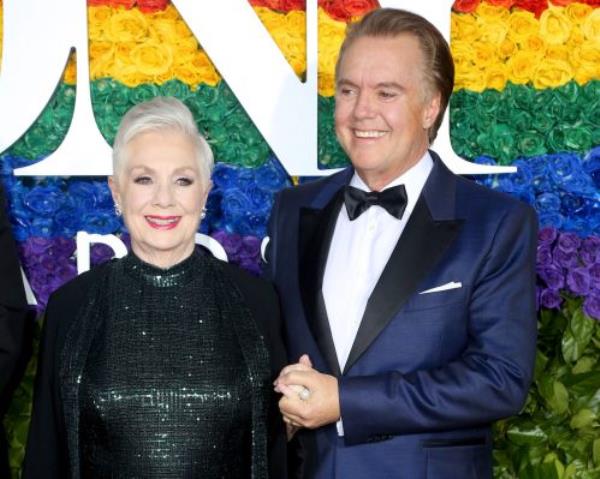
pixel 562 167
pixel 68 221
pixel 44 200
pixel 224 176
pixel 41 226
pixel 271 176
pixel 551 219
pixel 101 222
pixel 547 202
pixel 591 165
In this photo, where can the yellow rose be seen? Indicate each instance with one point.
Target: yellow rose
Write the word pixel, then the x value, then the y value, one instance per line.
pixel 488 13
pixel 472 79
pixel 169 13
pixel 535 44
pixel 521 25
pixel 555 26
pixel 127 26
pixel 464 27
pixel 270 19
pixel 326 83
pixel 521 67
pixel 185 49
pixel 98 18
pixel 205 69
pixel 102 58
pixel 122 55
pixel 551 74
pixel 591 26
pixel 557 52
pixel 164 30
pixel 152 58
pixel 578 12
pixel 496 76
pixel 70 74
pixel 506 49
pixel 131 77
pixel 331 37
pixel 462 52
pixel 188 75
pixel 493 32
pixel 586 60
pixel 181 29
pixel 484 54
pixel 576 39
pixel 587 72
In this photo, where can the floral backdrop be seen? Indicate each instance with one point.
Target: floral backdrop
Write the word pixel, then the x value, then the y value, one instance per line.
pixel 527 94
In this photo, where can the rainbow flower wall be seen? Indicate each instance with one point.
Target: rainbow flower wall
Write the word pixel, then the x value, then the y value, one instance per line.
pixel 527 94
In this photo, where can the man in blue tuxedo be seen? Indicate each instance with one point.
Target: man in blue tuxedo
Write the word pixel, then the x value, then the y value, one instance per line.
pixel 13 308
pixel 408 288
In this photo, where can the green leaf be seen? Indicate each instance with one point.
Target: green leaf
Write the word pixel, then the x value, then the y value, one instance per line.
pixel 555 394
pixel 582 419
pixel 526 434
pixel 585 384
pixel 582 327
pixel 596 452
pixel 584 365
pixel 570 347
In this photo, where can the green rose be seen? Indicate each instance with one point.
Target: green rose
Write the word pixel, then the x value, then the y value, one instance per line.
pixel 143 92
pixel 175 88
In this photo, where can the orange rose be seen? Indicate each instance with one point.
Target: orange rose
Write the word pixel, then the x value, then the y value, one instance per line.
pixel 502 3
pixel 465 6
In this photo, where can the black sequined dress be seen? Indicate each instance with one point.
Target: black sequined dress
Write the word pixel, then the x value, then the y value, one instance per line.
pixel 166 389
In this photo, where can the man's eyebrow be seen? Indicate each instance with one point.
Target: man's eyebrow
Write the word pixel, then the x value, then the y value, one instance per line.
pixel 345 82
pixel 390 84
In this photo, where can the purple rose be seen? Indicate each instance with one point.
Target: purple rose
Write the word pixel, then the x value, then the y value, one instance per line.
pixel 100 253
pixel 566 259
pixel 36 245
pixel 591 306
pixel 590 250
pixel 549 298
pixel 568 242
pixel 544 255
pixel 250 248
pixel 230 242
pixel 578 281
pixel 552 276
pixel 62 247
pixel 594 271
pixel 547 235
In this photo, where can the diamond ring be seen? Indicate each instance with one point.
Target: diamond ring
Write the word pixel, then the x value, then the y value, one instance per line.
pixel 304 394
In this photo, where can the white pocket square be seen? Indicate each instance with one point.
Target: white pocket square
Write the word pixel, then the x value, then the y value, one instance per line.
pixel 443 287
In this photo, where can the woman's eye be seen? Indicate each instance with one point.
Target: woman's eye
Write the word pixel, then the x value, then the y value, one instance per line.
pixel 142 180
pixel 184 181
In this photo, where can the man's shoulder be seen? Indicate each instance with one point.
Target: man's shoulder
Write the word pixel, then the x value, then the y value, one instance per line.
pixel 481 199
pixel 311 187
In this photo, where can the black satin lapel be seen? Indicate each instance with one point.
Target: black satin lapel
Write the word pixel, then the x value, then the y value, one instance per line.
pixel 421 245
pixel 316 230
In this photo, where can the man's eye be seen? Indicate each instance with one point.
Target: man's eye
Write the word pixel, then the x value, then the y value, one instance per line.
pixel 142 180
pixel 183 181
pixel 387 94
pixel 346 91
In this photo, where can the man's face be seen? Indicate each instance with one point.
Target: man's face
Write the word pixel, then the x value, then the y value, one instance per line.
pixel 381 110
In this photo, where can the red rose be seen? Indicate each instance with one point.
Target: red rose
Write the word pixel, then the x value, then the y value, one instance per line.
pixel 91 3
pixel 502 3
pixel 149 6
pixel 593 3
pixel 121 3
pixel 335 9
pixel 465 6
pixel 561 3
pixel 289 5
pixel 534 6
pixel 358 8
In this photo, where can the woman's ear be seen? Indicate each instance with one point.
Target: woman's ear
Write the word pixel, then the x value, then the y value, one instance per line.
pixel 114 190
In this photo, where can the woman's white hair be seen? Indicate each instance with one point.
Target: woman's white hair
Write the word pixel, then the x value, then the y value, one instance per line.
pixel 158 115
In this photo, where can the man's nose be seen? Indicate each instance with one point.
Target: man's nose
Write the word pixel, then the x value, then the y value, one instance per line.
pixel 364 106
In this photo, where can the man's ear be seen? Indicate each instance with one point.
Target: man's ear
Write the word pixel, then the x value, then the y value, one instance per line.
pixel 431 110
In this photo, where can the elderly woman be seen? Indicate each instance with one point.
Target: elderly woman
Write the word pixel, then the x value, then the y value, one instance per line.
pixel 159 364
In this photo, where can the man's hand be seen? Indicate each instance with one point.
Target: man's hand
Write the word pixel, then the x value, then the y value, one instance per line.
pixel 321 407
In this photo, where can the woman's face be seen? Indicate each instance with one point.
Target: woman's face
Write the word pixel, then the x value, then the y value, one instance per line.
pixel 161 195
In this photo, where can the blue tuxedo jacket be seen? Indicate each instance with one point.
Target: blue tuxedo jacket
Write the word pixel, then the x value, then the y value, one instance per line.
pixel 428 372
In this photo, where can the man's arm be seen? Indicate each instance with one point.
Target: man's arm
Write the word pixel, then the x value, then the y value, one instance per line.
pixel 489 380
pixel 12 300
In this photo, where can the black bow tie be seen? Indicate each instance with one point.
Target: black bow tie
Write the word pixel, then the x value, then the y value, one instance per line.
pixel 358 201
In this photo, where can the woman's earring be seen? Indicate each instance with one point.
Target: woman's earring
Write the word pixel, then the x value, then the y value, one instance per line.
pixel 203 214
pixel 118 211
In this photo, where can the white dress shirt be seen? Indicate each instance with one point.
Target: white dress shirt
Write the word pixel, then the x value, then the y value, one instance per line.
pixel 359 251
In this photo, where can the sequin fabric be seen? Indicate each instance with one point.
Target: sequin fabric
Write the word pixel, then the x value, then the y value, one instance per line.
pixel 165 389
